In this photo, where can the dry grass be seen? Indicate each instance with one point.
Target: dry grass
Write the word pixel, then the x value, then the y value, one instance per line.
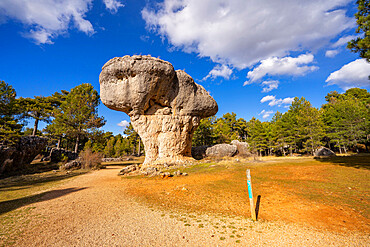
pixel 330 194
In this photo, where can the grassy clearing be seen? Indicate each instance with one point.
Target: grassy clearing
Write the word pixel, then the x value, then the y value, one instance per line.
pixel 17 195
pixel 327 193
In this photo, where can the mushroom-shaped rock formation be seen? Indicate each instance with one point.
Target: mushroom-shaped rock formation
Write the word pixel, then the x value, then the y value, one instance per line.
pixel 165 106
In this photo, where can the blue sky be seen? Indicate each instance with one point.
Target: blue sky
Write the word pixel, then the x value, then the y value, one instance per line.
pixel 252 56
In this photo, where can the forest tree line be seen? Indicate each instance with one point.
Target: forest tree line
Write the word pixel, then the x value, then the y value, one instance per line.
pixel 341 124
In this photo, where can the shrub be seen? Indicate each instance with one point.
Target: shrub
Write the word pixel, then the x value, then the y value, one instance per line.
pixel 91 160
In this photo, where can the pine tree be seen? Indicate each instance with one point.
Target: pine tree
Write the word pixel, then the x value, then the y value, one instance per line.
pixel 205 133
pixel 362 44
pixel 10 125
pixel 78 114
pixel 40 108
pixel 109 148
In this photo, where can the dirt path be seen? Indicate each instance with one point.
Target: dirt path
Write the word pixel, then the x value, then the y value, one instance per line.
pixel 93 210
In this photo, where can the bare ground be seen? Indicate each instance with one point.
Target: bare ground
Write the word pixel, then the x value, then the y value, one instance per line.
pixel 95 210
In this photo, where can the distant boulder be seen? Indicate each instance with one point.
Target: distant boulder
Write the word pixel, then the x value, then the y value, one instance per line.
pixel 243 148
pixel 221 150
pixel 323 151
pixel 16 157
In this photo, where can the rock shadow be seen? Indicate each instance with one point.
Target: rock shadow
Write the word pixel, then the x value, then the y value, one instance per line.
pixel 358 161
pixel 7 206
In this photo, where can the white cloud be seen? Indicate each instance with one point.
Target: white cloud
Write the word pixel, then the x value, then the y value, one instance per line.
pixel 269 85
pixel 331 53
pixel 354 74
pixel 343 41
pixel 48 18
pixel 265 114
pixel 278 102
pixel 123 123
pixel 113 5
pixel 219 70
pixel 282 66
pixel 244 32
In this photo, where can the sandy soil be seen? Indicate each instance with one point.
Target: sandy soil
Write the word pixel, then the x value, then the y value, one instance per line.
pixel 94 210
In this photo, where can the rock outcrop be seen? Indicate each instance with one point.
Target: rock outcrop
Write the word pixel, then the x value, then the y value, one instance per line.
pixel 165 106
pixel 324 152
pixel 243 148
pixel 221 150
pixel 16 157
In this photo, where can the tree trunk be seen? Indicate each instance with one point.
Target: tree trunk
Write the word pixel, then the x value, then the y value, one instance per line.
pixel 59 141
pixel 312 147
pixel 139 151
pixel 76 146
pixel 340 148
pixel 35 127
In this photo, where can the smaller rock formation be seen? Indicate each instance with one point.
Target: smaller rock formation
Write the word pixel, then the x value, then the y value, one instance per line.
pixel 221 150
pixel 243 148
pixel 72 165
pixel 324 152
pixel 129 169
pixel 16 157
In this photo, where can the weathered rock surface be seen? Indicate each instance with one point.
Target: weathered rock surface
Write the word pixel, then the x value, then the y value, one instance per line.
pixel 165 106
pixel 23 153
pixel 129 169
pixel 243 148
pixel 72 165
pixel 323 151
pixel 221 150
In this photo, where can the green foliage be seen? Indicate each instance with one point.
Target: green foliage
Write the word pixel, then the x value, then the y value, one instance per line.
pixel 361 45
pixel 41 108
pixel 78 114
pixel 133 139
pixel 109 148
pixel 10 125
pixel 347 118
pixel 205 133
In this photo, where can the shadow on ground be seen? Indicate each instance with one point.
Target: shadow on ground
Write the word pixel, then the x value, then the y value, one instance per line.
pixel 359 161
pixel 34 168
pixel 10 205
pixel 22 182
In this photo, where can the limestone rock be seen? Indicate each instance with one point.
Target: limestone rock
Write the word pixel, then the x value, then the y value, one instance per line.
pixel 129 169
pixel 323 151
pixel 72 165
pixel 23 153
pixel 221 150
pixel 165 106
pixel 243 148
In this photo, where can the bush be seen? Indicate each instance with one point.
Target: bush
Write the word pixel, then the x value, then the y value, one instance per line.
pixel 91 160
